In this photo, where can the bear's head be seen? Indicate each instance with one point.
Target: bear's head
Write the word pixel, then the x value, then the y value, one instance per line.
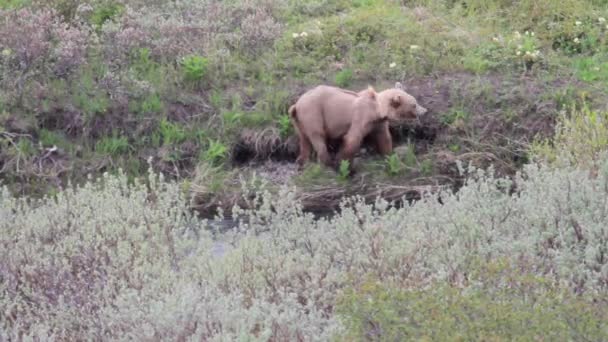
pixel 399 105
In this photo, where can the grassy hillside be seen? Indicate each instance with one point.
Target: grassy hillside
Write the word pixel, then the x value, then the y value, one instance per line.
pixel 175 104
pixel 94 87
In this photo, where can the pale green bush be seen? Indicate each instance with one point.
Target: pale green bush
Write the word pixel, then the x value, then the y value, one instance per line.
pixel 111 260
pixel 581 138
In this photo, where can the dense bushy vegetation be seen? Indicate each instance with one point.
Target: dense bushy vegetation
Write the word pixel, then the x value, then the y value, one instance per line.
pixel 93 87
pixel 111 260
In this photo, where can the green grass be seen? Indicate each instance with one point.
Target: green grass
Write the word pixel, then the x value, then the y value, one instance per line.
pixel 113 146
pixel 591 69
pixel 215 153
pixel 224 88
pixel 394 165
pixel 344 78
pixel 171 133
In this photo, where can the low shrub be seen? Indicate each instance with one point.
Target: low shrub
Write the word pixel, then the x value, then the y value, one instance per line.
pixel 581 138
pixel 524 308
pixel 114 260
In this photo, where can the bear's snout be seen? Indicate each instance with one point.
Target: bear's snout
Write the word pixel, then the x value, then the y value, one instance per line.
pixel 420 111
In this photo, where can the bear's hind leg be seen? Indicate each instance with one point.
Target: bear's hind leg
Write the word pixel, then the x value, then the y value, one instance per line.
pixel 318 142
pixel 305 148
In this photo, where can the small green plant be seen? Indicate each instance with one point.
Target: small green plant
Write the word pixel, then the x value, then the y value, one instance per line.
pixel 86 95
pixel 344 78
pixel 216 152
pixel 455 117
pixel 285 125
pixel 409 157
pixel 171 133
pixel 344 170
pixel 476 64
pixel 394 165
pixel 113 145
pixel 426 167
pixel 194 67
pixel 52 138
pixel 232 117
pixel 151 104
pixel 216 98
pixel 454 147
pixel 26 147
pixel 104 12
pixel 274 103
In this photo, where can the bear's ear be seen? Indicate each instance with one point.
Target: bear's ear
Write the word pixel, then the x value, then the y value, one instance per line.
pixel 371 92
pixel 396 101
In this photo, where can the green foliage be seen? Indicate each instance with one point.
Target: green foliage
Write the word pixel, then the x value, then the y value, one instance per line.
pixel 274 103
pixel 151 104
pixel 113 145
pixel 194 68
pixel 581 138
pixel 394 165
pixel 344 170
pixel 52 138
pixel 409 157
pixel 105 11
pixel 426 167
pixel 171 133
pixel 456 117
pixel 25 147
pixel 285 126
pixel 11 4
pixel 344 78
pixel 86 94
pixel 519 311
pixel 482 264
pixel 590 69
pixel 215 153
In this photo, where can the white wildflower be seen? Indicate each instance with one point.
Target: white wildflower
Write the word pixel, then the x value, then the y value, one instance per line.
pixel 495 39
pixel 601 19
pixel 517 34
pixel 596 69
pixel 392 65
pixel 414 47
pixel 532 34
pixel 527 33
pixel 6 52
pixel 304 34
pixel 578 23
pixel 577 41
pixel 518 53
pixel 295 35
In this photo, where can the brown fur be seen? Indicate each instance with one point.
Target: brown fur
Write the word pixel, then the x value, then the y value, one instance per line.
pixel 326 112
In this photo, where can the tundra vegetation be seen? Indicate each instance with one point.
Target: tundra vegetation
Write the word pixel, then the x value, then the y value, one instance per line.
pixel 118 117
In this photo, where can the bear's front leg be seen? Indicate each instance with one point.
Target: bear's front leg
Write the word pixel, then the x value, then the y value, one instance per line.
pixel 350 145
pixel 383 139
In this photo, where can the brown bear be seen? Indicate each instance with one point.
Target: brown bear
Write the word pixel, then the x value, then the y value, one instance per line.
pixel 327 112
